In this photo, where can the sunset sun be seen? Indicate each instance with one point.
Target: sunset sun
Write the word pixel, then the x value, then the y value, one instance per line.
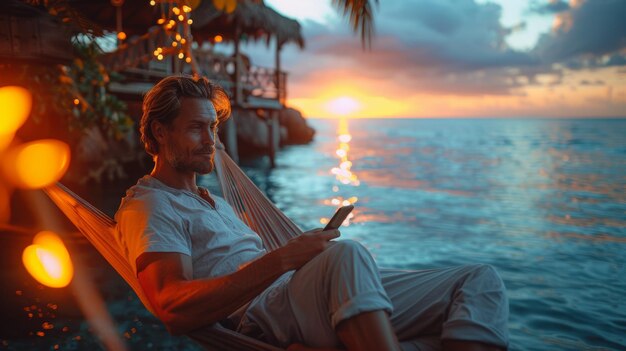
pixel 343 106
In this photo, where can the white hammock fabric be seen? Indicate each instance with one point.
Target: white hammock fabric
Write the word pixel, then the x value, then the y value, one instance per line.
pixel 250 204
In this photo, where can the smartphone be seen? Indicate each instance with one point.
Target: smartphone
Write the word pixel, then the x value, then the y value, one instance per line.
pixel 339 217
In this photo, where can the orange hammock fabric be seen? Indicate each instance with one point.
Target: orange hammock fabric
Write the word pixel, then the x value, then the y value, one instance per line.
pixel 250 204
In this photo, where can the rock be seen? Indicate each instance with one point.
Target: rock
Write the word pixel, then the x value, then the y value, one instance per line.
pixel 298 131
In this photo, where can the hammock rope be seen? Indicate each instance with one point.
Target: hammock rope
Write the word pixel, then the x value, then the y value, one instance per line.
pixel 250 205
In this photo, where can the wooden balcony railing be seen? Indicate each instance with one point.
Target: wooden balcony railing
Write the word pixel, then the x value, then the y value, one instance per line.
pixel 138 53
pixel 256 83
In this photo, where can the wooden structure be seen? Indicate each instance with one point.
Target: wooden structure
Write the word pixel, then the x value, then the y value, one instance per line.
pixel 29 34
pixel 252 88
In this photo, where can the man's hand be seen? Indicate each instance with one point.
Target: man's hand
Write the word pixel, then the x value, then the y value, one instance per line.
pixel 305 247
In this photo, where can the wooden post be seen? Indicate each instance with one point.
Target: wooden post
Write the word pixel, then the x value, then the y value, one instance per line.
pixel 273 133
pixel 230 136
pixel 279 96
pixel 238 88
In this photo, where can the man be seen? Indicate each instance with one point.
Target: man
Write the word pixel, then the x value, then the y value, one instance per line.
pixel 199 264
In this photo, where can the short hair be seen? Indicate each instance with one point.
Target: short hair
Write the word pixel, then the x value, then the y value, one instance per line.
pixel 162 104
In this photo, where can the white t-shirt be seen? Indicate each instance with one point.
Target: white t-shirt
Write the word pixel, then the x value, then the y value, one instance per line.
pixel 154 217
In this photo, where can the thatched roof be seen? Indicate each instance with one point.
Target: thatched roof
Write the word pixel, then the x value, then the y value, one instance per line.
pixel 254 19
pixel 29 33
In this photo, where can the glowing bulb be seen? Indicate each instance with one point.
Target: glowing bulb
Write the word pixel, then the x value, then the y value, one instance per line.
pixel 76 101
pixel 48 261
pixel 341 153
pixel 175 44
pixel 161 21
pixel 186 8
pixel 190 21
pixel 181 55
pixel 183 41
pixel 218 38
pixel 178 37
pixel 188 60
pixel 152 2
pixel 181 18
pixel 176 10
pixel 37 164
pixel 159 57
pixel 15 103
pixel 121 36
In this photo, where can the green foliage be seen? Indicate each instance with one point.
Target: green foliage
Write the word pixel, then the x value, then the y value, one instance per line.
pixel 75 97
pixel 88 79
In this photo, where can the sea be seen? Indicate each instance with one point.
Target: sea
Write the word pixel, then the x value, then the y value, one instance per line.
pixel 541 200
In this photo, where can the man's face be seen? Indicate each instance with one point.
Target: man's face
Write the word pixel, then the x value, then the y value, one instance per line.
pixel 189 145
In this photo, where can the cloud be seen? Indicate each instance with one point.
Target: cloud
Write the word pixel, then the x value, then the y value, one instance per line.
pixel 592 29
pixel 452 48
pixel 425 45
pixel 553 6
pixel 597 82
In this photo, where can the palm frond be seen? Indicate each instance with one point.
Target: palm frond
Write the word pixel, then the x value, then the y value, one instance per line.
pixel 361 17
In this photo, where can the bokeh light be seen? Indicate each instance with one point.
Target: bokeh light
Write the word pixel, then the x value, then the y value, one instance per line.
pixel 36 164
pixel 48 261
pixel 15 104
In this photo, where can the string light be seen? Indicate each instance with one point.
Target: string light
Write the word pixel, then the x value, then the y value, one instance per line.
pixel 218 38
pixel 178 31
pixel 121 36
pixel 76 101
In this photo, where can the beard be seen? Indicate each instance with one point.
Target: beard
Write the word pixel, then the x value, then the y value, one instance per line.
pixel 188 162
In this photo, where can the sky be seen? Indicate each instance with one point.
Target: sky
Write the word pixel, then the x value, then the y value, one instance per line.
pixel 457 58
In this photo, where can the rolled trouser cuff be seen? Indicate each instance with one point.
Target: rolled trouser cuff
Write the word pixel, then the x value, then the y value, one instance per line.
pixel 364 302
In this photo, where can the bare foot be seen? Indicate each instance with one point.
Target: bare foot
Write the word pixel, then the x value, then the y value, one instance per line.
pixel 300 347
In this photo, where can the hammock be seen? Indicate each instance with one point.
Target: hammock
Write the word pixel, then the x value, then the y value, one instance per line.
pixel 250 204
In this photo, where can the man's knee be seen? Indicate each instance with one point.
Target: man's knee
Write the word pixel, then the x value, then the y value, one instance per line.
pixel 343 254
pixel 348 245
pixel 484 280
pixel 487 273
pixel 344 249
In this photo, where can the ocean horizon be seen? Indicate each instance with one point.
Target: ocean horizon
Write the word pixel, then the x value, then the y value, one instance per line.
pixel 542 200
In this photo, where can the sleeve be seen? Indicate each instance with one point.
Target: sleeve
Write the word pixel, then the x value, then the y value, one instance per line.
pixel 150 224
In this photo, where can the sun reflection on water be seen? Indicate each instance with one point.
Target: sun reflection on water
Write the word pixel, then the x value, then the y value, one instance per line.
pixel 343 173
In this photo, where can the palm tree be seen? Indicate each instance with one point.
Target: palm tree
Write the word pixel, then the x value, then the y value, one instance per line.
pixel 361 17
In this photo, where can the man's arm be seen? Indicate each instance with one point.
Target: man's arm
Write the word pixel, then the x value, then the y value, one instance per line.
pixel 184 304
